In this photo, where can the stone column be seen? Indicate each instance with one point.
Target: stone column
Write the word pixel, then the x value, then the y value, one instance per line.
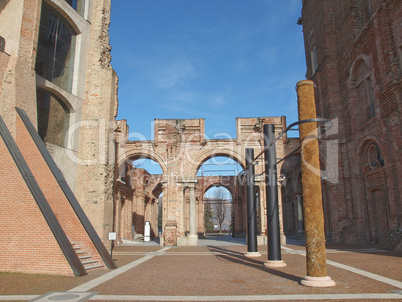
pixel 164 212
pixel 118 217
pixel 193 212
pixel 312 192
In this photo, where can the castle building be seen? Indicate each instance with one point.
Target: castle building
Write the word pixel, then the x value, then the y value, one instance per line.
pixel 55 66
pixel 354 56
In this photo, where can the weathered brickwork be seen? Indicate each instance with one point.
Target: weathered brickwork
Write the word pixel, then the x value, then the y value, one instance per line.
pixel 54 194
pixel 180 148
pixel 86 154
pixel 353 54
pixel 27 243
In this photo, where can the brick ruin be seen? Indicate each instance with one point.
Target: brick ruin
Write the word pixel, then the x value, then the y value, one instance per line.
pixel 353 54
pixel 180 148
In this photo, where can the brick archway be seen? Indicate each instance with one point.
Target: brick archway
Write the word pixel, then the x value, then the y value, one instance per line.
pixel 180 147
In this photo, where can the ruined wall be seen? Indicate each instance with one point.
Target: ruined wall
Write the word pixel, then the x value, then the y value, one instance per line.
pixel 19 27
pixel 180 149
pixel 96 149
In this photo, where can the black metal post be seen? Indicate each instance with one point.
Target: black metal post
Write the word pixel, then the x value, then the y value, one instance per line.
pixel 252 250
pixel 274 243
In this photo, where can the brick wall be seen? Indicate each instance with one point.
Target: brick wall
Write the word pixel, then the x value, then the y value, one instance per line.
pixel 53 193
pixel 343 33
pixel 26 244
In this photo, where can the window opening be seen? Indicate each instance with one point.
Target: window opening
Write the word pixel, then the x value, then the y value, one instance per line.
pixel 314 63
pixel 53 118
pixel 56 49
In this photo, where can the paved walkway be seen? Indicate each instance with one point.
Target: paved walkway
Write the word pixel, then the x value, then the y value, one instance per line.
pixel 217 271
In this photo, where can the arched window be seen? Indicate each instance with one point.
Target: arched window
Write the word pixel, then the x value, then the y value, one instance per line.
pixel 362 84
pixel 372 158
pixel 56 49
pixel 53 118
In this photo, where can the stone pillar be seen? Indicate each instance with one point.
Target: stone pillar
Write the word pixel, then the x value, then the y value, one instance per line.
pixel 118 217
pixel 300 225
pixel 312 193
pixel 192 238
pixel 193 213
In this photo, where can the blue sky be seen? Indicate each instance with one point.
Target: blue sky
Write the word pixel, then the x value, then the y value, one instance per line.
pixel 212 59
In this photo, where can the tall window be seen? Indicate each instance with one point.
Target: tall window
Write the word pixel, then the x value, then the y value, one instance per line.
pixel 56 49
pixel 363 88
pixel 53 118
pixel 314 62
pixel 78 5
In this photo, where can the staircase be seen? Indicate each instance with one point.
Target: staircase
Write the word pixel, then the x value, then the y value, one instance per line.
pixel 85 258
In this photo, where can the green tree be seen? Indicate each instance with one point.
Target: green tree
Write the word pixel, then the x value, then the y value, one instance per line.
pixel 209 226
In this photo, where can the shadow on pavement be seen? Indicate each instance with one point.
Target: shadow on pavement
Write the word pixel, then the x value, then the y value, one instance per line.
pixel 238 257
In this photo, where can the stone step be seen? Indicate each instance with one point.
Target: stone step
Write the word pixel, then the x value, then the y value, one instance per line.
pixel 89 267
pixel 85 262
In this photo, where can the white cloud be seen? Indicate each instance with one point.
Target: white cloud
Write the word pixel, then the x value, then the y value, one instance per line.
pixel 175 74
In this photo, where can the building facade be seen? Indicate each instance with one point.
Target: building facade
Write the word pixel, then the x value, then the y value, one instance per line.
pixel 354 56
pixel 55 65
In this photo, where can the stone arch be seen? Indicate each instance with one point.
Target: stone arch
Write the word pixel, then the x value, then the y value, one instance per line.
pixel 57 92
pixel 142 154
pixel 365 143
pixel 218 184
pixel 360 69
pixel 77 23
pixel 232 154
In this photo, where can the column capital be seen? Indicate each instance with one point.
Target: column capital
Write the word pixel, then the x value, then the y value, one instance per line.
pixel 187 182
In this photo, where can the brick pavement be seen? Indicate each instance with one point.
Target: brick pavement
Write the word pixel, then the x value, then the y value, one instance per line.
pixel 218 272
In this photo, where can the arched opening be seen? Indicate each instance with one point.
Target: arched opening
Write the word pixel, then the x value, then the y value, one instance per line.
pixel 362 93
pixel 141 178
pixel 218 210
pixel 223 193
pixel 53 118
pixel 377 205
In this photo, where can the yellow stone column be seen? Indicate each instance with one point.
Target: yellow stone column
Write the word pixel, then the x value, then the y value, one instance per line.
pixel 312 194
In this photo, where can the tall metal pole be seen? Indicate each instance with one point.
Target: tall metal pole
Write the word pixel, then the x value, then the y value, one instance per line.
pixel 312 194
pixel 252 250
pixel 271 179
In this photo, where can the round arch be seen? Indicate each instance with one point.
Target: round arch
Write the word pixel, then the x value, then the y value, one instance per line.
pixel 236 156
pixel 364 143
pixel 143 154
pixel 218 184
pixel 361 59
pixel 55 91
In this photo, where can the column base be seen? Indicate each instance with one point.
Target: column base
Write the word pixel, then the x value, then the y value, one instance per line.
pixel 317 281
pixel 274 263
pixel 252 254
pixel 191 240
